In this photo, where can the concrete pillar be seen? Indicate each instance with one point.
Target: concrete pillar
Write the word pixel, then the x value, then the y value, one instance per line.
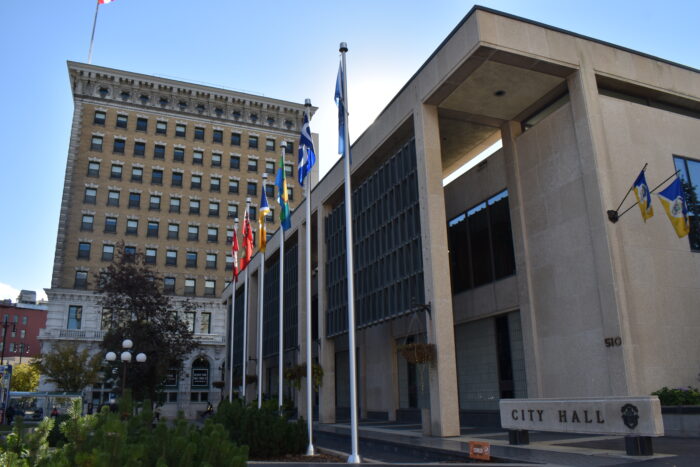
pixel 444 404
pixel 327 351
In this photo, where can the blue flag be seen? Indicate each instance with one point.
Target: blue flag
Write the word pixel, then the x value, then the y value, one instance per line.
pixel 307 156
pixel 340 102
pixel 641 191
pixel 673 201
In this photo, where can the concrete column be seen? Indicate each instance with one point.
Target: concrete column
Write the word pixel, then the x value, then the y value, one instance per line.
pixel 301 306
pixel 444 404
pixel 327 351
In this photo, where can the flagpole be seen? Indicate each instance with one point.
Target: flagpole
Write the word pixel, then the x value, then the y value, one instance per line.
pixel 233 317
pixel 245 315
pixel 309 387
pixel 280 359
pixel 92 37
pixel 261 302
pixel 354 456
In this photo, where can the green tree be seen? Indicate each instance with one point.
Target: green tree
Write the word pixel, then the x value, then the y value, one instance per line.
pixel 70 367
pixel 136 308
pixel 25 377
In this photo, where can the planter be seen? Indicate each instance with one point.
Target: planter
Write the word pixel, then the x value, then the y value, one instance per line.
pixel 417 352
pixel 682 421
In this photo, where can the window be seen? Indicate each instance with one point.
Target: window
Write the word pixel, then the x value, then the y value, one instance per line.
pixel 136 174
pixel 216 160
pixel 107 252
pixel 96 143
pixel 252 165
pixel 113 198
pixel 270 167
pixel 174 205
pixel 211 261
pixel 150 257
pixel 233 186
pixel 93 169
pixel 253 142
pixel 269 144
pixel 90 196
pixel 176 179
pixel 290 148
pixel 235 162
pixel 178 154
pixel 194 206
pixel 171 258
pixel 173 231
pixel 198 133
pixel 191 259
pixel 159 151
pixel 289 170
pixel 252 188
pixel 154 203
pixel 217 136
pixel 24 322
pixel 290 193
pixel 132 226
pixel 270 191
pixel 229 263
pixel 215 184
pixel 190 287
pixel 235 139
pixel 81 278
pixel 232 211
pixel 75 315
pixel 193 233
pixel 83 250
pixel 169 285
pixel 129 254
pixel 197 158
pixel 122 121
pixel 139 148
pixel 690 181
pixel 253 213
pixel 153 228
pixel 134 200
pixel 157 177
pixel 141 124
pixel 180 130
pixel 270 218
pixel 116 172
pixel 100 118
pixel 87 223
pixel 161 128
pixel 213 234
pixel 229 236
pixel 196 183
pixel 213 209
pixel 118 146
pixel 110 224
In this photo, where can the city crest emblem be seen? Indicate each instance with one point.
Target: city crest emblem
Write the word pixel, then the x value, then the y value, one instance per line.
pixel 630 415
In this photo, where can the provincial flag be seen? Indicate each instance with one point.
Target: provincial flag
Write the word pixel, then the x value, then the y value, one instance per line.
pixel 641 191
pixel 307 156
pixel 262 213
pixel 247 235
pixel 340 102
pixel 283 196
pixel 673 201
pixel 234 252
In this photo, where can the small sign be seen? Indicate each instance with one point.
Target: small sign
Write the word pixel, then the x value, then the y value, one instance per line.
pixel 200 377
pixel 479 450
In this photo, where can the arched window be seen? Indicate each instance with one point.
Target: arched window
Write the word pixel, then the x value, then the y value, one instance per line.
pixel 200 373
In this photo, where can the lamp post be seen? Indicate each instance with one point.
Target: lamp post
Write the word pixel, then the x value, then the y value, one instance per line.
pixel 5 325
pixel 125 357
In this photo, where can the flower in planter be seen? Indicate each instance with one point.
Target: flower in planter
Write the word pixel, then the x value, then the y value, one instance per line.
pixel 417 352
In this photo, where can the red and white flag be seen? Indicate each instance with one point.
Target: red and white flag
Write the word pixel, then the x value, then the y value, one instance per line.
pixel 234 250
pixel 104 2
pixel 247 241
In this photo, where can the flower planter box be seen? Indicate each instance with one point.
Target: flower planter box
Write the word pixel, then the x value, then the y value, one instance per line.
pixel 682 421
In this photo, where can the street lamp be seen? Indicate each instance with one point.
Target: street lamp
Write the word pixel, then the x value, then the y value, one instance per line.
pixel 5 325
pixel 125 357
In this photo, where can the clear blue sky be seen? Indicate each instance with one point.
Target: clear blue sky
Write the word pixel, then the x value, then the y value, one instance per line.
pixel 281 49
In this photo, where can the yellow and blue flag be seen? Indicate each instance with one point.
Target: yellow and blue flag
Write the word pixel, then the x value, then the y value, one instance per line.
pixel 641 191
pixel 283 196
pixel 673 201
pixel 262 212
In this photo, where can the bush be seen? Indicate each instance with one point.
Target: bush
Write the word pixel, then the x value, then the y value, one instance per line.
pixel 678 396
pixel 266 433
pixel 56 438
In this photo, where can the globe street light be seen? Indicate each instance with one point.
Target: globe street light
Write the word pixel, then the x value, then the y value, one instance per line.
pixel 125 357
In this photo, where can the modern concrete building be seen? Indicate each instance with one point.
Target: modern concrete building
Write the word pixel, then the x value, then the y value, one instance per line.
pixel 512 271
pixel 164 167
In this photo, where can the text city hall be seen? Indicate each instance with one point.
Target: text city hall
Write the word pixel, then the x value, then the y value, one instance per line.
pixel 565 416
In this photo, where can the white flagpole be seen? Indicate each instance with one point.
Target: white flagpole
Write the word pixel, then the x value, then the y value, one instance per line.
pixel 233 317
pixel 261 303
pixel 355 455
pixel 245 314
pixel 92 37
pixel 309 363
pixel 280 359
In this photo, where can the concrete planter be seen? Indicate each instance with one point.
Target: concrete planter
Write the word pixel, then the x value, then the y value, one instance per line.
pixel 681 420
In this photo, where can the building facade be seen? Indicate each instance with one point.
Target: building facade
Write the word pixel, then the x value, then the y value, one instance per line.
pixel 163 167
pixel 512 272
pixel 21 324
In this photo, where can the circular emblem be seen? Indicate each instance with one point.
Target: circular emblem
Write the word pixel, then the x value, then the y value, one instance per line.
pixel 677 207
pixel 630 415
pixel 643 192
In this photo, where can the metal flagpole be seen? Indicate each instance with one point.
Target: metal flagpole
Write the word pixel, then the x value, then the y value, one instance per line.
pixel 280 359
pixel 354 456
pixel 92 37
pixel 233 316
pixel 245 314
pixel 261 304
pixel 309 386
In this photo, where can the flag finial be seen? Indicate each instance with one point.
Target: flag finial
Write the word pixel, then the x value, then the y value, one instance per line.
pixel 343 47
pixel 307 102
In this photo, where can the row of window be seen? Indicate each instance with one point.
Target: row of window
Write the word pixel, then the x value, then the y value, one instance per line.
pixel 161 128
pixel 22 333
pixel 15 319
pixel 169 283
pixel 75 318
pixel 21 348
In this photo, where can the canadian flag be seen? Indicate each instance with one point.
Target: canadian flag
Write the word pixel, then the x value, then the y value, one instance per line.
pixel 234 250
pixel 104 2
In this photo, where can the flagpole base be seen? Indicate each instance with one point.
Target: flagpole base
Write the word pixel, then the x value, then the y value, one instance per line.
pixel 310 450
pixel 354 459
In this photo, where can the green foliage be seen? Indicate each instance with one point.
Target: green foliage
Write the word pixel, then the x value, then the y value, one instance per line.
pixel 69 367
pixel 264 431
pixel 678 396
pixel 296 373
pixel 25 447
pixel 56 437
pixel 25 377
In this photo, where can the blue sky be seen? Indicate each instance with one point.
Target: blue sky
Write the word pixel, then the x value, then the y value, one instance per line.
pixel 282 49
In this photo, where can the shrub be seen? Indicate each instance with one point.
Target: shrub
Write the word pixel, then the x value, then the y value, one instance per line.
pixel 678 396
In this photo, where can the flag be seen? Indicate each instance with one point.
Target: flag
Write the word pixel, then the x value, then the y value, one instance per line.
pixel 234 252
pixel 307 156
pixel 340 102
pixel 104 2
pixel 641 191
pixel 247 235
pixel 283 196
pixel 673 202
pixel 262 212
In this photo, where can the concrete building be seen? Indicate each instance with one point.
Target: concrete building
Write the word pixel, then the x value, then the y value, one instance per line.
pixel 164 167
pixel 531 290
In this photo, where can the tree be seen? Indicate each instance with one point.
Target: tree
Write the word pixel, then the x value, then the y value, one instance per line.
pixel 69 367
pixel 25 377
pixel 135 307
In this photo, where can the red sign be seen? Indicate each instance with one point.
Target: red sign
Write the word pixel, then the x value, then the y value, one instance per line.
pixel 479 450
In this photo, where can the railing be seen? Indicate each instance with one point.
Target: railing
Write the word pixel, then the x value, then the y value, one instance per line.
pixel 72 334
pixel 209 338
